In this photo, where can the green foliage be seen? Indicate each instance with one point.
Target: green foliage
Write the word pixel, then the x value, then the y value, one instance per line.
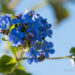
pixel 19 70
pixel 13 50
pixel 72 50
pixel 4 8
pixel 60 11
pixel 7 64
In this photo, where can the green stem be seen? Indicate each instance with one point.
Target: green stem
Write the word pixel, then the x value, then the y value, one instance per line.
pixel 63 57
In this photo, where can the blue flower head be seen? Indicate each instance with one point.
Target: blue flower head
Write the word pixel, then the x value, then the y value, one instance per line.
pixel 31 29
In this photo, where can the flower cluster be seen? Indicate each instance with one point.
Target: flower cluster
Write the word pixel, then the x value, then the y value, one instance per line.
pixel 28 29
pixel 4 22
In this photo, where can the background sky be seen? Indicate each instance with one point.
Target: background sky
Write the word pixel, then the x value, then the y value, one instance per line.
pixel 63 39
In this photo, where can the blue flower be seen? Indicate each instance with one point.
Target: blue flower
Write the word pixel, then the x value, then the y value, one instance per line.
pixel 4 22
pixel 33 33
pixel 15 21
pixel 32 54
pixel 16 36
pixel 36 45
pixel 51 51
pixel 49 33
pixel 47 48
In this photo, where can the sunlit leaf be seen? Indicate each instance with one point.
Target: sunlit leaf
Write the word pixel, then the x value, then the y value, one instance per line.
pixel 7 64
pixel 13 50
pixel 19 70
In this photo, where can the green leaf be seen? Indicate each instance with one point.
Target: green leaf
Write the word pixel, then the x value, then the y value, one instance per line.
pixel 13 50
pixel 72 50
pixel 19 70
pixel 60 11
pixel 7 64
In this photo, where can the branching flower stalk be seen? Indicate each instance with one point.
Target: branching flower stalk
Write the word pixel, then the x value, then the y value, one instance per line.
pixel 28 32
pixel 52 58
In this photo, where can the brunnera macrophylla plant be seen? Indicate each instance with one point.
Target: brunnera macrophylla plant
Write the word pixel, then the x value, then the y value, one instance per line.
pixel 28 31
pixel 26 35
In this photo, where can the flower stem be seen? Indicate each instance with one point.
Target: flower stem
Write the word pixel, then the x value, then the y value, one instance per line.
pixel 20 54
pixel 63 57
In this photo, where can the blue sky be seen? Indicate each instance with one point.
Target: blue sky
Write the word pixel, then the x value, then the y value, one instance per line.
pixel 63 39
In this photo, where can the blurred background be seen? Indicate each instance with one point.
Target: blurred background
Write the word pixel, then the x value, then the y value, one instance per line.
pixel 61 14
